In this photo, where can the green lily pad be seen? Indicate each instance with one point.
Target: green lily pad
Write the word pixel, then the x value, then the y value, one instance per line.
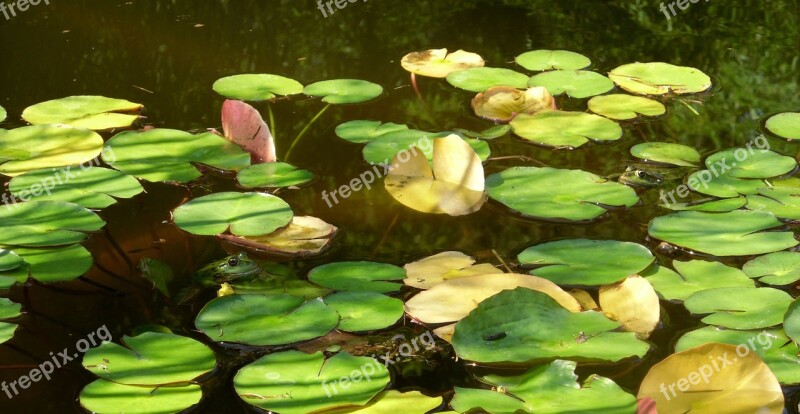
pixel 168 154
pixel 740 308
pixel 770 344
pixel 575 83
pixel 393 401
pixel 46 146
pixel 546 389
pixel 586 262
pixel 361 131
pixel 739 163
pixel 265 320
pixel 49 265
pixel 552 193
pixel 481 79
pixel 8 310
pixel 736 233
pixel 158 272
pixel 622 107
pixel 344 91
pixel 106 397
pixel 522 326
pixel 791 321
pixel 695 276
pixel 244 214
pixel 9 260
pixel 275 283
pixel 538 60
pixel 273 175
pixel 46 223
pixel 726 186
pixel 785 125
pixel 293 382
pixel 90 112
pixel 783 202
pixel 494 132
pixel 358 276
pixel 437 63
pixel 565 129
pixel 92 187
pixel 150 358
pixel 383 149
pixel 3 114
pixel 256 87
pixel 658 78
pixel 365 311
pixel 718 206
pixel 667 153
pixel 779 269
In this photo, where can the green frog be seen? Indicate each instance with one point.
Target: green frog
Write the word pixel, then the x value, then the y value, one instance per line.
pixel 649 175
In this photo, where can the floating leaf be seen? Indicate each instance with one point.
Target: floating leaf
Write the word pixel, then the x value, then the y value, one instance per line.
pixel 586 262
pixel 634 303
pixel 256 87
pixel 304 236
pixel 736 233
pixel 92 187
pixel 244 126
pixel 9 260
pixel 716 185
pixel 384 148
pixel 276 279
pixel 739 163
pixel 783 201
pixel 90 112
pixel 344 91
pixel 454 186
pixel 575 83
pixel 3 114
pixel 552 193
pixel 494 132
pixel 360 132
pixel 502 104
pixel 702 379
pixel 715 206
pixel 365 311
pixel 791 321
pixel 695 276
pixel 785 125
pixel 780 268
pixel 393 401
pixel 158 272
pixel 667 153
pixel 658 78
pixel 539 60
pixel 358 276
pixel 740 308
pixel 244 214
pixel 565 129
pixel 619 106
pixel 46 146
pixel 481 79
pixel 106 397
pixel 8 310
pixel 437 63
pixel 46 223
pixel 430 271
pixel 273 175
pixel 49 265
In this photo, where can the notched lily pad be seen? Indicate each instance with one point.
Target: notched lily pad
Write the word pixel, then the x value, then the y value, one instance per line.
pixel 304 236
pixel 437 63
pixel 273 175
pixel 694 276
pixel 575 83
pixel 658 78
pixel 481 79
pixel 344 91
pixel 46 146
pixel 256 87
pixel 358 276
pixel 244 214
pixel 623 107
pixel 565 129
pixel 667 153
pixel 365 311
pixel 92 187
pixel 539 60
pixel 90 112
pixel 779 269
pixel 740 308
pixel 362 131
pixel 107 397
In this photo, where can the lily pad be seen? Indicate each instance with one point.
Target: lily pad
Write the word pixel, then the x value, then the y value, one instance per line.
pixel 48 265
pixel 538 60
pixel 502 104
pixel 393 401
pixel 493 332
pixel 783 201
pixel 740 308
pixel 169 155
pixel 384 148
pixel 265 320
pixel 437 63
pixel 791 321
pixel 623 107
pixel 785 125
pixel 481 79
pixel 546 389
pixel 361 131
pixel 277 279
pixel 633 303
pixel 244 214
pixel 344 91
pixel 739 163
pixel 273 175
pixel 575 83
pixel 726 186
pixel 780 268
pixel 46 223
pixel 107 397
pixel 494 132
pixel 358 276
pixel 256 87
pixel 430 271
pixel 92 187
pixel 304 236
pixel 565 129
pixel 293 382
pixel 158 272
pixel 658 78
pixel 365 311
pixel 46 146
pixel 8 310
pixel 695 276
pixel 150 358
pixel 667 153
pixel 90 112
pixel 713 206
pixel 3 114
pixel 551 193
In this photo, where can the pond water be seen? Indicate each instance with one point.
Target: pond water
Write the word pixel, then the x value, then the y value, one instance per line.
pixel 167 54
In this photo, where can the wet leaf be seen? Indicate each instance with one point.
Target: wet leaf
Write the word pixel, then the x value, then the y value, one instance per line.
pixel 361 131
pixel 92 187
pixel 106 397
pixel 785 125
pixel 358 276
pixel 780 268
pixel 365 311
pixel 695 276
pixel 273 175
pixel 46 223
pixel 739 163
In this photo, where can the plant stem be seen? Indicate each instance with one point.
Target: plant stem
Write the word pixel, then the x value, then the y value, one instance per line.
pixel 271 120
pixel 303 132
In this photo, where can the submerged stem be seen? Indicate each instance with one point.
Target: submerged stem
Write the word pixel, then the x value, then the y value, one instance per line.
pixel 303 132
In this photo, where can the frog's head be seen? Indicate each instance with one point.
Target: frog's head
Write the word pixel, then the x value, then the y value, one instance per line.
pixel 231 268
pixel 641 178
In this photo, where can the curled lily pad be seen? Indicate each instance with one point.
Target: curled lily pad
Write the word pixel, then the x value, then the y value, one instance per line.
pixel 107 397
pixel 46 146
pixel 92 187
pixel 539 60
pixel 552 193
pixel 565 129
pixel 740 308
pixel 437 63
pixel 3 114
pixel 481 79
pixel 256 87
pixel 90 112
pixel 365 311
pixel 361 131
pixel 273 175
pixel 244 126
pixel 575 83
pixel 785 125
pixel 695 276
pixel 430 271
pixel 304 236
pixel 358 276
pixel 658 78
pixel 344 91
pixel 736 233
pixel 667 153
pixel 726 186
pixel 634 303
pixel 780 268
pixel 294 382
pixel 48 265
pixel 169 155
pixel 619 106
pixel 244 214
pixel 8 310
pixel 493 332
pixel 46 223
pixel 502 104
pixel 744 163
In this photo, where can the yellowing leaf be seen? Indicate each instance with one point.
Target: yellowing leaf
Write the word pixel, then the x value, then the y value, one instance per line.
pixel 585 299
pixel 502 103
pixel 430 271
pixel 436 63
pixel 304 236
pixel 634 303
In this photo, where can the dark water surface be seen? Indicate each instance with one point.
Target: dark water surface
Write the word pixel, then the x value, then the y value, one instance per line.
pixel 166 55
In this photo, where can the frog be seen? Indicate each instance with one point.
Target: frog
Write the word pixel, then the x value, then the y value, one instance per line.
pixel 649 175
pixel 238 267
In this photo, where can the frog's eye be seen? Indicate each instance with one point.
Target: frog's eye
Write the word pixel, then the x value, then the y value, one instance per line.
pixel 641 174
pixel 233 261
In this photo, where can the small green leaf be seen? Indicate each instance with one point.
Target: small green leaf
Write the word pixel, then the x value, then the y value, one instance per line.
pixel 344 91
pixel 256 87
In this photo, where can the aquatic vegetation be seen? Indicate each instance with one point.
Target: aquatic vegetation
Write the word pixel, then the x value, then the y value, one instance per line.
pixel 3 114
pixel 481 79
pixel 47 146
pixel 92 187
pixel 365 311
pixel 659 78
pixel 437 63
pixel 358 276
pixel 90 112
pixel 303 236
pixel 540 60
pixel 634 303
pixel 780 268
pixel 8 310
pixel 575 83
pixel 344 91
pixel 694 276
pixel 256 87
pixel 244 214
pixel 432 270
pixel 243 125
pixel 502 104
pixel 362 131
pixel 273 175
pixel 667 153
pixel 624 107
pixel 563 129
pixel 785 125
pixel 740 307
